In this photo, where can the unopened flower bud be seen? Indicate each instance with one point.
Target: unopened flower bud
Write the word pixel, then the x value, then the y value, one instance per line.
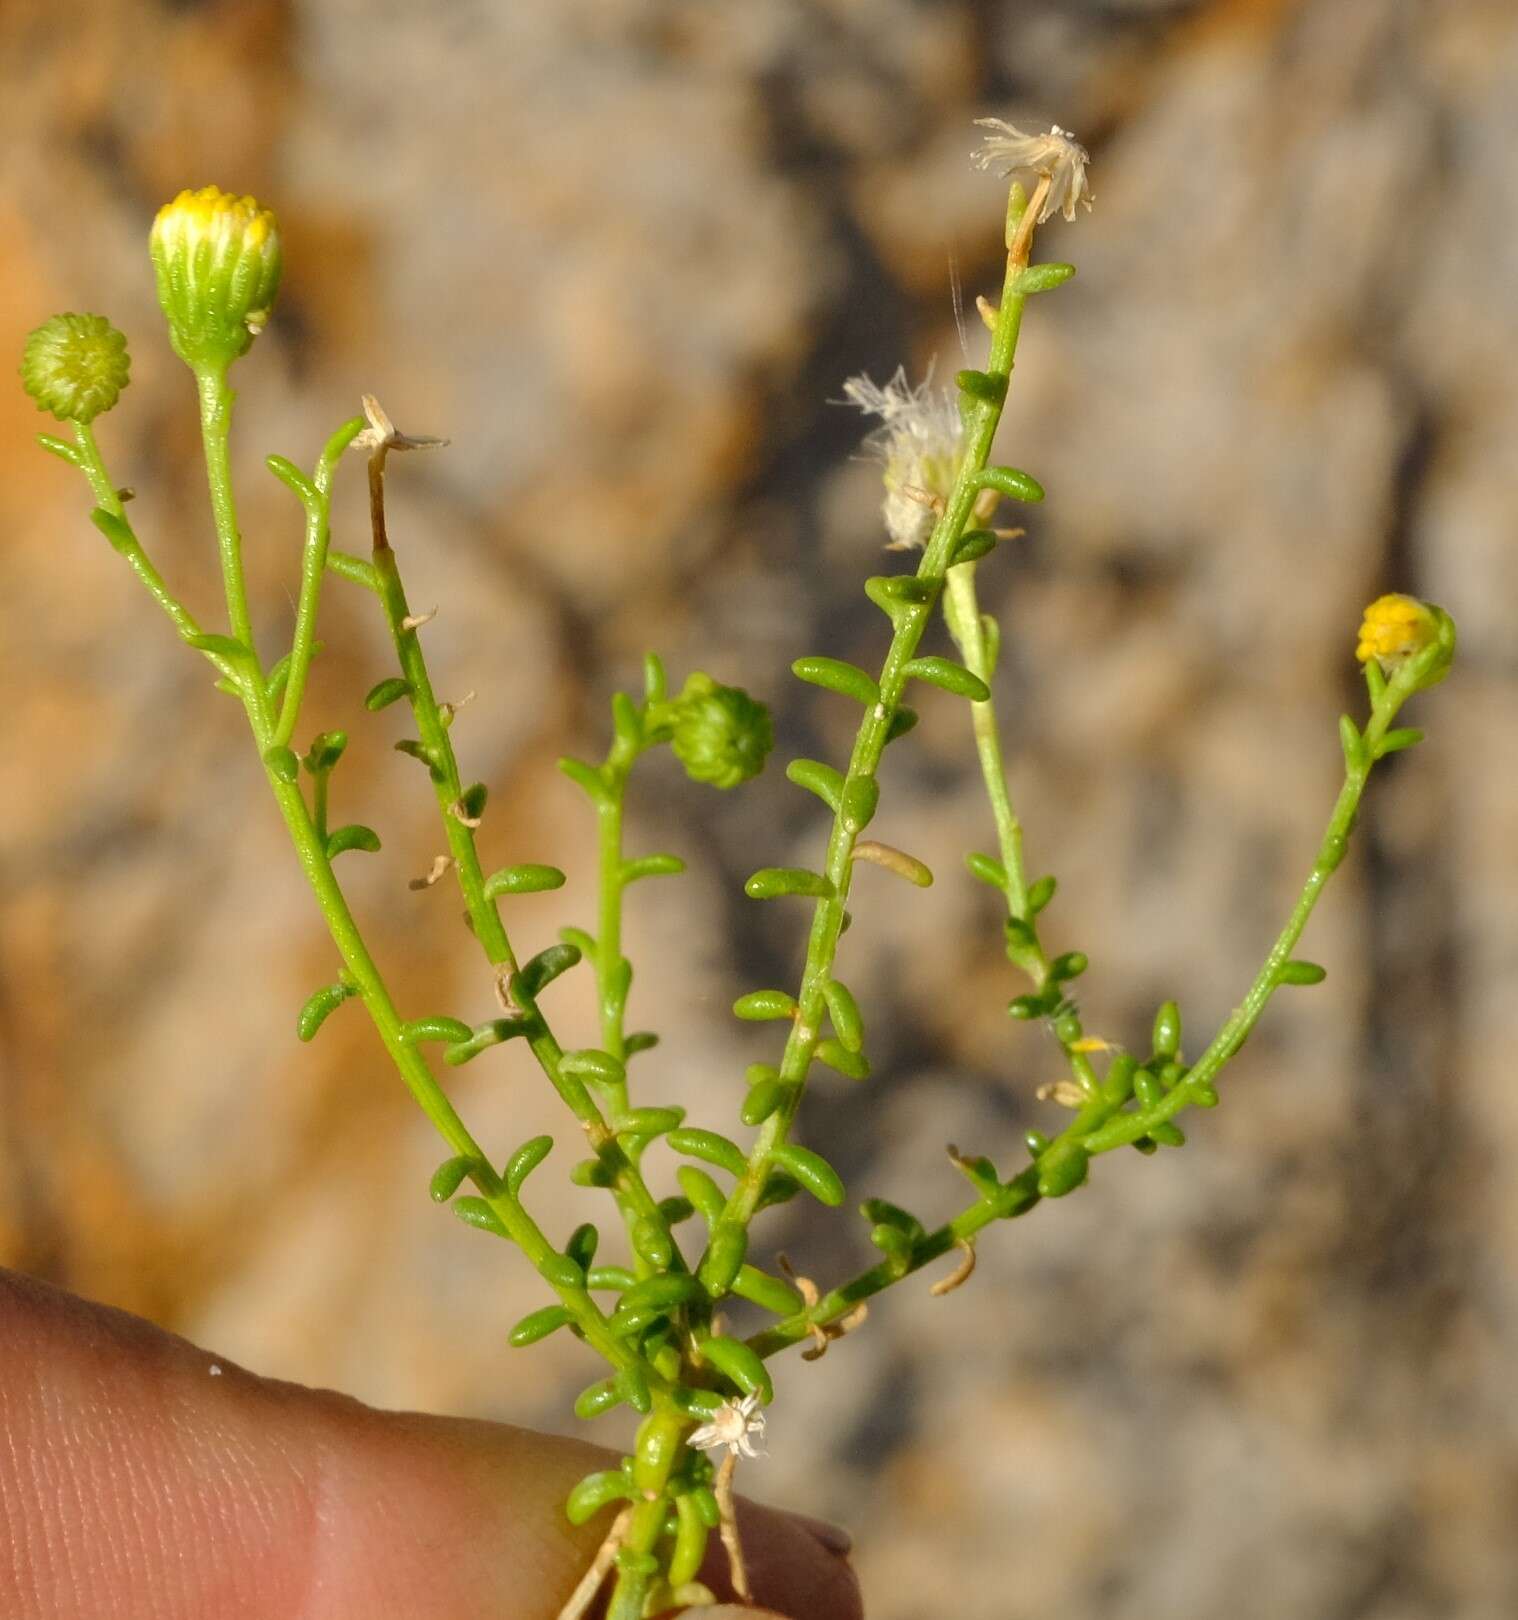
pixel 1408 638
pixel 217 261
pixel 75 366
pixel 721 735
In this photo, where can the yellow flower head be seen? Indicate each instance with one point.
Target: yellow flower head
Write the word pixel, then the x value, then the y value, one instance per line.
pixel 217 260
pixel 1403 634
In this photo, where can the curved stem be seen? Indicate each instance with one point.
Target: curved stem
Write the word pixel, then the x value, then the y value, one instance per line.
pixel 1107 1122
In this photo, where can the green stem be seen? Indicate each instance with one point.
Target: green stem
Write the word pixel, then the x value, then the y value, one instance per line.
pixel 1105 1123
pixel 313 568
pixel 968 628
pixel 982 417
pixel 216 401
pixel 108 499
pixel 484 917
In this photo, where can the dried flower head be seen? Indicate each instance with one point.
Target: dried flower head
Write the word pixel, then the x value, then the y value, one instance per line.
pixel 217 260
pixel 75 366
pixel 919 443
pixel 1056 156
pixel 731 1425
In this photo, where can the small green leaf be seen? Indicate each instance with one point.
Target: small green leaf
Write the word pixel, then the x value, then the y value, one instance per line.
pixel 582 1245
pixel 449 1177
pixel 294 480
pixel 116 529
pixel 593 1173
pixel 525 1160
pixel 778 1189
pixel 385 692
pixel 723 1258
pixel 896 594
pixel 353 836
pixel 320 1006
pixel 1395 741
pixel 838 676
pixel 632 1387
pixel 952 677
pixel 422 753
pixel 1010 481
pixel 647 866
pixel 902 722
pixel 986 387
pixel 538 1325
pixel 595 1492
pixel 972 545
pixel 1061 1170
pixel 609 1278
pixel 710 1146
pixel 484 1036
pixel 761 1102
pixel 473 799
pixel 1040 893
pixel 817 778
pixel 1039 278
pixel 1375 682
pixel 585 777
pixel 654 682
pixel 528 878
pixel 1297 971
pixel 676 1210
pixel 590 1063
pixel 641 1040
pixel 1167 1030
pixel 811 1171
pixel 773 882
pixel 981 1173
pixel 476 1212
pixel 837 1056
pixel 989 871
pixel 561 1271
pixel 326 749
pixel 221 646
pixel 844 1011
pixel 860 799
pixel 666 1293
pixel 597 1398
pixel 1167 1134
pixel 59 447
pixel 540 972
pixel 1069 965
pixel 282 764
pixel 440 1028
pixel 648 1123
pixel 702 1191
pixel 651 1242
pixel 738 1363
pixel 626 722
pixel 1355 752
pixel 758 1005
pixel 769 1293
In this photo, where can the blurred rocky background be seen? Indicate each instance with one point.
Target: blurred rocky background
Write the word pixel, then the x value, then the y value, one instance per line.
pixel 624 253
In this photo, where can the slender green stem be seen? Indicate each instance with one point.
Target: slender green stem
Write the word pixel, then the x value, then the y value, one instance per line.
pixel 982 417
pixel 973 636
pixel 216 401
pixel 125 540
pixel 1106 1122
pixel 484 917
pixel 313 568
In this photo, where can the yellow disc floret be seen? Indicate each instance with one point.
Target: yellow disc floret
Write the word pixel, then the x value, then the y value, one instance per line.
pixel 1407 636
pixel 217 260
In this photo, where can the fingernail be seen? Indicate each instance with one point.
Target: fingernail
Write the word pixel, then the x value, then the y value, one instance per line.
pixel 832 1536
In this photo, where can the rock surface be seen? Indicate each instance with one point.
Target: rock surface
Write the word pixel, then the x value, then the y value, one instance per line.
pixel 623 253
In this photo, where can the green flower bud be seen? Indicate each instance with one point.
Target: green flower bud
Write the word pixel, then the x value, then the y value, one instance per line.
pixel 721 735
pixel 217 260
pixel 75 366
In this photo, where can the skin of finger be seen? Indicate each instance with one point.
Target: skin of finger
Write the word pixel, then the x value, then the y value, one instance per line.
pixel 135 1481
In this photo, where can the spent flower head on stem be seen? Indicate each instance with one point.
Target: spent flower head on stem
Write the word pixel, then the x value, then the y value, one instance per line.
pixel 1055 156
pixel 75 366
pixel 731 1425
pixel 919 442
pixel 217 261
